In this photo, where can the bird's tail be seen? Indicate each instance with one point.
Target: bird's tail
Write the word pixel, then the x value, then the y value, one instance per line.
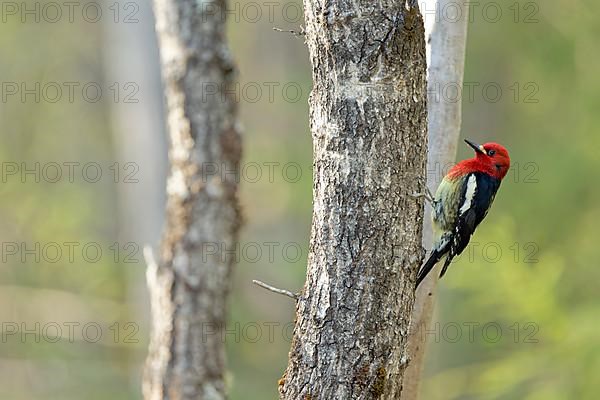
pixel 433 259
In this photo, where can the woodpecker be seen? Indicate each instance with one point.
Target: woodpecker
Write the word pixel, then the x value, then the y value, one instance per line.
pixel 462 201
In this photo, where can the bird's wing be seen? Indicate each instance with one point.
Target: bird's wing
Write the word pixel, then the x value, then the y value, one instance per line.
pixel 448 199
pixel 478 198
pixel 460 205
pixel 446 206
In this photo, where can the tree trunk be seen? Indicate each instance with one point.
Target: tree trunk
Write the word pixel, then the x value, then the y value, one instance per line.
pixel 368 122
pixel 188 288
pixel 447 40
pixel 138 137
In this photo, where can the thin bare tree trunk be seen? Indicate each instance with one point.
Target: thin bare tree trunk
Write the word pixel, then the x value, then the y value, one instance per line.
pixel 140 147
pixel 188 289
pixel 447 38
pixel 368 122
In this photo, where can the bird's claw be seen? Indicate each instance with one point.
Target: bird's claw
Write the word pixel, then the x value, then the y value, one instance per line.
pixel 427 195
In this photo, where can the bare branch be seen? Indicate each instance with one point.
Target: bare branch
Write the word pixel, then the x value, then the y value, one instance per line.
pixel 300 33
pixel 273 289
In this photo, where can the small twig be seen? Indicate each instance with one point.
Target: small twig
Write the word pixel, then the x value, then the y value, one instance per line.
pixel 276 290
pixel 299 33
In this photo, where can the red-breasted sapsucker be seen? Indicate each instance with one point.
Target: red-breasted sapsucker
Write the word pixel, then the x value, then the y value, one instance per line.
pixel 462 201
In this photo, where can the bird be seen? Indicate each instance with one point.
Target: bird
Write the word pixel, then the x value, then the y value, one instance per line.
pixel 462 201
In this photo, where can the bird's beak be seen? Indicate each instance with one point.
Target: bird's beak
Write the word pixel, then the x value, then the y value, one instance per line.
pixel 477 147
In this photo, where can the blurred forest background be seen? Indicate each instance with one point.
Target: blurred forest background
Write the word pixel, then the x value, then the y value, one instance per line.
pixel 517 314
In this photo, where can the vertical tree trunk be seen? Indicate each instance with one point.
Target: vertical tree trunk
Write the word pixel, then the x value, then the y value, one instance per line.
pixel 188 289
pixel 368 122
pixel 138 136
pixel 447 39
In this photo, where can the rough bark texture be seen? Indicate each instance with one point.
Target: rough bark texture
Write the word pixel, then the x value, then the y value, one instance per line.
pixel 368 122
pixel 447 40
pixel 189 289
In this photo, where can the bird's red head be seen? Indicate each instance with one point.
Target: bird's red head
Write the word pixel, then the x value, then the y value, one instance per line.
pixel 490 158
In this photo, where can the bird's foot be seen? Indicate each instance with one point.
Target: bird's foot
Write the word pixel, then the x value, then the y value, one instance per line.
pixel 427 195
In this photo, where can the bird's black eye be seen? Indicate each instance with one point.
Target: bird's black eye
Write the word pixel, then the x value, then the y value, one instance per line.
pixel 491 153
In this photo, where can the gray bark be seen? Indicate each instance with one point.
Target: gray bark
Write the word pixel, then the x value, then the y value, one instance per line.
pixel 368 123
pixel 446 47
pixel 188 289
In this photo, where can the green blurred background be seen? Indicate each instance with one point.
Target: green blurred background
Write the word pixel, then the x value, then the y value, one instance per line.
pixel 517 315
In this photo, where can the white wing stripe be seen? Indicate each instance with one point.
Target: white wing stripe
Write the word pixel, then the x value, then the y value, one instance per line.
pixel 469 194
